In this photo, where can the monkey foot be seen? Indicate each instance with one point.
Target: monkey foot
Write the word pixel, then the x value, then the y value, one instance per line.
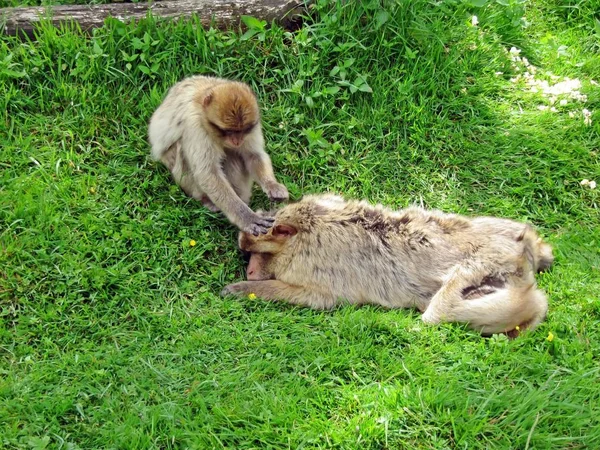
pixel 277 192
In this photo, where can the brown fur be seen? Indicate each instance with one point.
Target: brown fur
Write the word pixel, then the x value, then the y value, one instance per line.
pixel 476 270
pixel 207 132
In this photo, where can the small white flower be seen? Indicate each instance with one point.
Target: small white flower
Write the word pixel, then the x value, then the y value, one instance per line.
pixel 584 182
pixel 542 107
pixel 498 73
pixel 592 184
pixel 474 21
pixel 571 114
pixel 563 102
pixel 553 109
pixel 587 117
pixel 514 51
pixel 525 61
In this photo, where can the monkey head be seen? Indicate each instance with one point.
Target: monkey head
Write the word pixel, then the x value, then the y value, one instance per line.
pixel 266 251
pixel 262 250
pixel 231 113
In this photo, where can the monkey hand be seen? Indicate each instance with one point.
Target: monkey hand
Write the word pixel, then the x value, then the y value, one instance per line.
pixel 238 289
pixel 257 224
pixel 277 192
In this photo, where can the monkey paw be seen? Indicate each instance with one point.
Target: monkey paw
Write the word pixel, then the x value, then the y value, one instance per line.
pixel 237 289
pixel 259 225
pixel 277 192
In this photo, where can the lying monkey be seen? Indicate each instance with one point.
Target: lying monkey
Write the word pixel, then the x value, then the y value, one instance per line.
pixel 478 271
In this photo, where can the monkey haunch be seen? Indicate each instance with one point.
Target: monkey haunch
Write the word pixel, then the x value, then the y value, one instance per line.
pixel 207 132
pixel 453 268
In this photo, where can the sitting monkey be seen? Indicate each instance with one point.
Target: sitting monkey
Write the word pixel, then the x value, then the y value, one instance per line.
pixel 208 133
pixel 479 271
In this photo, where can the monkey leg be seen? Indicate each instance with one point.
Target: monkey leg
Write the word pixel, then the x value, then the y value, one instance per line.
pixel 175 161
pixel 274 290
pixel 489 303
pixel 170 156
pixel 461 278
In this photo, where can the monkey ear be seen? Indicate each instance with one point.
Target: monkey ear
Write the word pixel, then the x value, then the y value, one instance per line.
pixel 207 100
pixel 284 231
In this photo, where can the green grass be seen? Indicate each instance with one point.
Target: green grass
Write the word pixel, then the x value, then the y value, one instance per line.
pixel 112 334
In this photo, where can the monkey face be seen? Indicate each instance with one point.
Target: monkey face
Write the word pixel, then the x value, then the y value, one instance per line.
pixel 258 267
pixel 229 138
pixel 232 113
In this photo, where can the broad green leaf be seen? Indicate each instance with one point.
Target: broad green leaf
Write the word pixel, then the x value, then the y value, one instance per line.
pixel 97 49
pixel 248 34
pixel 381 17
pixel 349 62
pixel 253 23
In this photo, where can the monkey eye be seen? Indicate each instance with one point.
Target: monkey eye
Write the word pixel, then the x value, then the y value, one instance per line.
pixel 217 128
pixel 248 129
pixel 246 256
pixel 226 133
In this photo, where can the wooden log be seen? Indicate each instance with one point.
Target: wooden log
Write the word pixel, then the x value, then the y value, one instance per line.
pixel 226 13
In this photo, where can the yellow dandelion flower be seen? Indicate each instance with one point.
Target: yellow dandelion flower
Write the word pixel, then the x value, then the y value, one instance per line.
pixel 518 328
pixel 192 243
pixel 550 336
pixel 92 190
pixel 252 296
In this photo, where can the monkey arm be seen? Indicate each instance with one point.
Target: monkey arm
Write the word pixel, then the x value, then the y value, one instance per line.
pixel 204 160
pixel 274 290
pixel 221 193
